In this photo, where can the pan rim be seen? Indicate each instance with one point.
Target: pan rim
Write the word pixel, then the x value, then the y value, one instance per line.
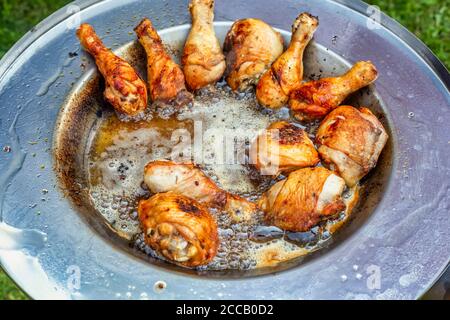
pixel 61 15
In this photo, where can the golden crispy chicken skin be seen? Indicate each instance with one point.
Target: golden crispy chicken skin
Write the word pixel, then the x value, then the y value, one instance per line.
pixel 125 90
pixel 165 78
pixel 304 199
pixel 250 47
pixel 286 73
pixel 350 142
pixel 186 179
pixel 283 147
pixel 315 99
pixel 203 60
pixel 179 228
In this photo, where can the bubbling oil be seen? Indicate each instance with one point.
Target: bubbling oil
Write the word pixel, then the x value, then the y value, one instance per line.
pixel 215 133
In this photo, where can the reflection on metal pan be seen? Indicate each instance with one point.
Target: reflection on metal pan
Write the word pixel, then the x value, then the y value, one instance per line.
pixel 395 247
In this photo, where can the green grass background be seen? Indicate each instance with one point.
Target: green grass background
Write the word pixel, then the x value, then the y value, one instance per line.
pixel 427 19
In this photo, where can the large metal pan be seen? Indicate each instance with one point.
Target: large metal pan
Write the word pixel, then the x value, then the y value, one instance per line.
pixel 397 248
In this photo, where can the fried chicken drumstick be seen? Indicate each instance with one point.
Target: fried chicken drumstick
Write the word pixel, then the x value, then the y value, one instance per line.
pixel 250 47
pixel 186 179
pixel 315 99
pixel 165 77
pixel 350 142
pixel 283 147
pixel 179 228
pixel 125 90
pixel 286 73
pixel 203 60
pixel 304 199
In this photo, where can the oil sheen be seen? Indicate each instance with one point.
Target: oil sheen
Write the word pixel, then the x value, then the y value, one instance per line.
pixel 214 132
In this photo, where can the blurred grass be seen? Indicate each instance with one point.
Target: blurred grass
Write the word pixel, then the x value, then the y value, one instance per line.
pixel 427 19
pixel 8 290
pixel 18 16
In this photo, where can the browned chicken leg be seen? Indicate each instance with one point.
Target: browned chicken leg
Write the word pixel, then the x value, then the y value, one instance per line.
pixel 250 47
pixel 315 99
pixel 283 147
pixel 286 73
pixel 186 179
pixel 305 198
pixel 203 60
pixel 179 228
pixel 125 90
pixel 165 77
pixel 351 141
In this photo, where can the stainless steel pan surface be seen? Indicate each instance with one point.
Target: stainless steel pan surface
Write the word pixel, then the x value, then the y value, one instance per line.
pixel 54 245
